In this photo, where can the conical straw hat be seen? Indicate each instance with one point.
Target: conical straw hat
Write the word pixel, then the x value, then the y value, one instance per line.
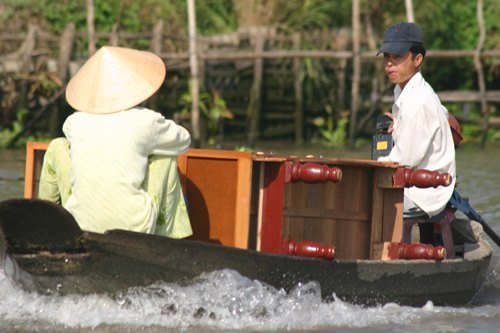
pixel 115 79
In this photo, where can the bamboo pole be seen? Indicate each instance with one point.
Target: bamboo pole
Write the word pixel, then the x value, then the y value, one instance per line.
pixel 113 38
pixel 91 27
pixel 157 39
pixel 255 95
pixel 156 47
pixel 377 82
pixel 299 112
pixel 409 11
pixel 65 51
pixel 341 41
pixel 356 72
pixel 195 84
pixel 480 75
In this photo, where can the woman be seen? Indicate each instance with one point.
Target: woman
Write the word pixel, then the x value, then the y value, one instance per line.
pixel 116 167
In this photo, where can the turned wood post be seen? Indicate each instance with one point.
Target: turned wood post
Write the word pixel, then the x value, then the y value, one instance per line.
pixel 405 177
pixel 308 249
pixel 311 173
pixel 415 251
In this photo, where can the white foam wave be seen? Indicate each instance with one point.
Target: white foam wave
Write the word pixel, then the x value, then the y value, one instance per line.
pixel 219 300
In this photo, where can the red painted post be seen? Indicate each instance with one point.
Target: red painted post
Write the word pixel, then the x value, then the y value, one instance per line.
pixel 404 177
pixel 416 251
pixel 312 173
pixel 272 207
pixel 308 249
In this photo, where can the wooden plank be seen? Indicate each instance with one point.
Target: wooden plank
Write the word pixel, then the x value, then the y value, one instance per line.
pixel 393 216
pixel 217 184
pixel 353 240
pixel 377 211
pixel 34 159
pixel 332 213
pixel 272 204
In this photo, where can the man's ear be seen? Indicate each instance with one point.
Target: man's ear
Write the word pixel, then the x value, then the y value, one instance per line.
pixel 418 59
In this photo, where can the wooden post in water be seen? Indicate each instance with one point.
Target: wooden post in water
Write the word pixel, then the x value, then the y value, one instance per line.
pixel 65 50
pixel 339 41
pixel 91 27
pixel 113 37
pixel 157 38
pixel 480 75
pixel 193 64
pixel 356 58
pixel 409 11
pixel 25 64
pixel 299 111
pixel 253 114
pixel 156 48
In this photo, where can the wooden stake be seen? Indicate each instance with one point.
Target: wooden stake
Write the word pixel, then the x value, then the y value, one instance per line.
pixel 356 71
pixel 195 84
pixel 91 27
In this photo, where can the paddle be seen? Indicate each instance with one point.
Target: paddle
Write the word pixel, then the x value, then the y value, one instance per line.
pixel 33 225
pixel 463 205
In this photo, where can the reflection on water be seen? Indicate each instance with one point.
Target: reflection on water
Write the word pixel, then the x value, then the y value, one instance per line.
pixel 226 301
pixel 11 174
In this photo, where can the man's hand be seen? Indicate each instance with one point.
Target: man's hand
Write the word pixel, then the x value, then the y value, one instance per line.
pixel 390 129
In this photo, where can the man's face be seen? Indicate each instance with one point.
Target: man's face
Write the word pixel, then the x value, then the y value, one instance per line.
pixel 401 68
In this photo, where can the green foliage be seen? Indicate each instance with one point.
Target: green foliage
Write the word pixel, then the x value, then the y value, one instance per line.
pixel 215 17
pixel 330 135
pixel 8 134
pixel 313 14
pixel 473 133
pixel 243 149
pixel 213 109
pixel 470 132
pixel 9 137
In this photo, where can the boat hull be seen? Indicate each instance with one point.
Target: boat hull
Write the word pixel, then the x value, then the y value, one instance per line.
pixel 112 262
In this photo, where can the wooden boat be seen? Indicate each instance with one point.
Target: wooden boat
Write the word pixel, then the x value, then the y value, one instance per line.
pixel 277 219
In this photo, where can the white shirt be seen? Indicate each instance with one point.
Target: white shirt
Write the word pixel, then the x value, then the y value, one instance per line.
pixel 109 157
pixel 423 140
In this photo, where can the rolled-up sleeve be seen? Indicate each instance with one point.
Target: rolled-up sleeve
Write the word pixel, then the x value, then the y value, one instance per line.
pixel 171 139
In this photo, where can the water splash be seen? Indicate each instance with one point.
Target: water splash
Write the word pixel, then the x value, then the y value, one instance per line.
pixel 221 300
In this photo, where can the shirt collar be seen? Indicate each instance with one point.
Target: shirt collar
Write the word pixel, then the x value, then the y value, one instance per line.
pixel 400 93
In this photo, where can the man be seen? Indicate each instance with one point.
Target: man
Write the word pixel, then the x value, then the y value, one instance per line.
pixel 116 167
pixel 420 130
